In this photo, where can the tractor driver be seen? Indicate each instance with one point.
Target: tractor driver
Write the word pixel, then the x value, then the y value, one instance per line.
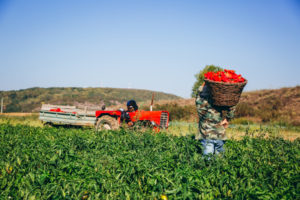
pixel 131 107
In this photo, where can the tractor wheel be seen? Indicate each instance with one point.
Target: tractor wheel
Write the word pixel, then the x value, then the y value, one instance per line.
pixel 107 123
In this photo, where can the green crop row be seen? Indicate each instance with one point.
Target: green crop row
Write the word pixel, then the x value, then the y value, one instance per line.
pixel 58 163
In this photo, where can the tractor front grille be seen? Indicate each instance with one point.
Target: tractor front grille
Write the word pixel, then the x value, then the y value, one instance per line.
pixel 164 120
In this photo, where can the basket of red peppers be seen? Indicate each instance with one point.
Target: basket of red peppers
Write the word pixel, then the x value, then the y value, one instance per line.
pixel 225 87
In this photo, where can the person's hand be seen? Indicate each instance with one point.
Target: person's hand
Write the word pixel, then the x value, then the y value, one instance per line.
pixel 224 123
pixel 130 123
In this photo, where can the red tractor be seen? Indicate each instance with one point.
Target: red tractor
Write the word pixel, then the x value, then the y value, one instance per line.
pixel 103 119
pixel 111 120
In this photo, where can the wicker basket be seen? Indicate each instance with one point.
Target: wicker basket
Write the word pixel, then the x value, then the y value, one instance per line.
pixel 225 94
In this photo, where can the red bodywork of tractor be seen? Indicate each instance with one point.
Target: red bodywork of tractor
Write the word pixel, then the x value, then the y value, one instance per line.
pixel 113 119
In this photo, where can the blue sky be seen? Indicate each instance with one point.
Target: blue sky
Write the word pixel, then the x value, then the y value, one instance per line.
pixel 156 45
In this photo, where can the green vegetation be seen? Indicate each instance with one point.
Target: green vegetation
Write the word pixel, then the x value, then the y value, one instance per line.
pixel 58 163
pixel 31 120
pixel 238 127
pixel 200 77
pixel 238 130
pixel 30 100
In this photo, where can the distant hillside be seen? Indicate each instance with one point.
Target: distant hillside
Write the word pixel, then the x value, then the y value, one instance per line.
pixel 30 100
pixel 272 105
pixel 280 105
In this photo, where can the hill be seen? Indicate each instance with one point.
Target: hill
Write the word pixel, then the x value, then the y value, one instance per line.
pixel 278 105
pixel 30 100
pixel 268 105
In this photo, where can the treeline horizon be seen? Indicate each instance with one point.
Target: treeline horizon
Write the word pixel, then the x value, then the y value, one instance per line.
pixel 31 99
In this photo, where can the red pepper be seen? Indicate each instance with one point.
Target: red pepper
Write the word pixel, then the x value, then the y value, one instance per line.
pixel 226 76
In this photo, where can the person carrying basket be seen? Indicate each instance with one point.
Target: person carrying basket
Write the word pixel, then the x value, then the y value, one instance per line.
pixel 214 117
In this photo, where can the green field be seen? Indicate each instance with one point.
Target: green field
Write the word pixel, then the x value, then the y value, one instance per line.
pixel 60 163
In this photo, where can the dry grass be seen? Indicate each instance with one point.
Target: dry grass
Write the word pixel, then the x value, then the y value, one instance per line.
pixel 17 114
pixel 285 134
pixel 30 119
pixel 236 132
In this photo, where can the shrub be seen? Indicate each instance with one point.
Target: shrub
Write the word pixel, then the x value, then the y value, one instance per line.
pixel 242 121
pixel 268 110
pixel 200 77
pixel 244 110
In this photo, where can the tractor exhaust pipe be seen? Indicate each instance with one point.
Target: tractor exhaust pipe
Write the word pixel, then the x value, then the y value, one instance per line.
pixel 151 105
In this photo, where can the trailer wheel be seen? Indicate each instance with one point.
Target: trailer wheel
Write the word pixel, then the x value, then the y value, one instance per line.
pixel 107 123
pixel 48 124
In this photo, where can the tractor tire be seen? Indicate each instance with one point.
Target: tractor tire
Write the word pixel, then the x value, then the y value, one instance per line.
pixel 143 126
pixel 107 123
